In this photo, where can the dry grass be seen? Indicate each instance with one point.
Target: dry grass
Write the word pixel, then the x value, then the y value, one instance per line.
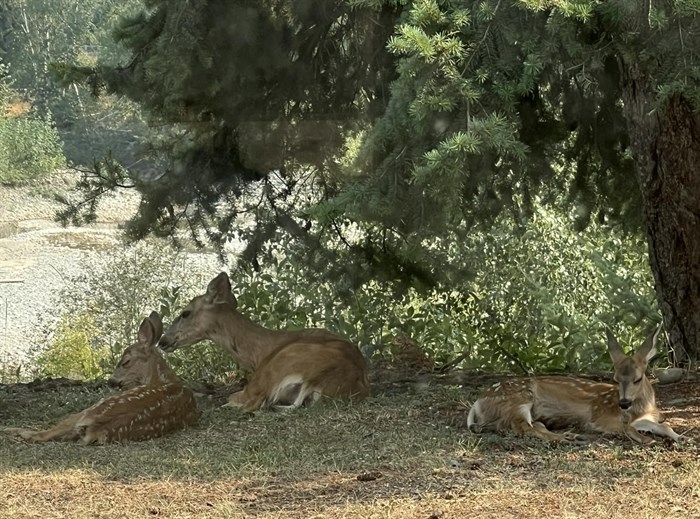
pixel 402 454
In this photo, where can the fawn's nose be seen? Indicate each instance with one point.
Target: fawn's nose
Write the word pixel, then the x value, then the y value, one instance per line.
pixel 114 383
pixel 164 345
pixel 625 404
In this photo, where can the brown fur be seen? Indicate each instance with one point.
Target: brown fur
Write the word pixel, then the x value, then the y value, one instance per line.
pixel 530 406
pixel 156 405
pixel 291 368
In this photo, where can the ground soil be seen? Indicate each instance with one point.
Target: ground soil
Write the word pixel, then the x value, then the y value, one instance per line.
pixel 404 453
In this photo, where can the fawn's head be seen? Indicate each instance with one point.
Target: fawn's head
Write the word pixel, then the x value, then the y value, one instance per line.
pixel 197 320
pixel 630 371
pixel 139 361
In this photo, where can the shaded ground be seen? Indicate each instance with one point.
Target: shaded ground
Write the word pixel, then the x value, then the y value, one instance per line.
pixel 403 453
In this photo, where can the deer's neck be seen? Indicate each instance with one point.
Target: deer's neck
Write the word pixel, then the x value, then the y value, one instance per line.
pixel 160 373
pixel 247 342
pixel 645 403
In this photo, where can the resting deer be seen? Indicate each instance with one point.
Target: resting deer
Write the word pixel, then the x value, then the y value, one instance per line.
pixel 157 405
pixel 529 406
pixel 290 368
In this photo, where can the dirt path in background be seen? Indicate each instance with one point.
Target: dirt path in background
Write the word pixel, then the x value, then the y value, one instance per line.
pixel 39 255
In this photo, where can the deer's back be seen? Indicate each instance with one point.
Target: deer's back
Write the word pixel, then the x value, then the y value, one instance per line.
pixel 308 335
pixel 557 401
pixel 140 413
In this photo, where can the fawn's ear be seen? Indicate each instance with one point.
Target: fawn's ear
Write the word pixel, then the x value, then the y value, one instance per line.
pixel 648 349
pixel 614 349
pixel 147 333
pixel 219 291
pixel 157 323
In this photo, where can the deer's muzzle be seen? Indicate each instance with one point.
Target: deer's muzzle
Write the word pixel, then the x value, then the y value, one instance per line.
pixel 625 404
pixel 166 345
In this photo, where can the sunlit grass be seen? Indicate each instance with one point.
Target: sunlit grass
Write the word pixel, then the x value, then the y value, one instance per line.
pixel 402 453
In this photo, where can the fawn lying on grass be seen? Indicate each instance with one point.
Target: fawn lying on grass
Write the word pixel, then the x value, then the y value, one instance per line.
pixel 157 405
pixel 531 405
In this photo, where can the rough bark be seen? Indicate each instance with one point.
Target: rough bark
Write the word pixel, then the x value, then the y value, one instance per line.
pixel 665 142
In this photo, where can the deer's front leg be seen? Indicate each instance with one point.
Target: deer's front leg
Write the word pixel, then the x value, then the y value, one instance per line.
pixel 631 432
pixel 236 399
pixel 645 424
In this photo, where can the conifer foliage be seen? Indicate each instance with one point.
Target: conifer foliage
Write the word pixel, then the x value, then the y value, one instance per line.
pixel 249 97
pixel 380 133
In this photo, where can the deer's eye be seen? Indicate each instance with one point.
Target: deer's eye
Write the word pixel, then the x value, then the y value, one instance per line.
pixel 637 381
pixel 185 314
pixel 126 362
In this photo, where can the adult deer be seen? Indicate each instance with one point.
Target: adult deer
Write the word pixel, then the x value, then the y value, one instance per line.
pixel 156 404
pixel 529 406
pixel 290 368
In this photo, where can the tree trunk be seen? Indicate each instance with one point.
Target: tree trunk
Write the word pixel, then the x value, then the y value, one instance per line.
pixel 665 141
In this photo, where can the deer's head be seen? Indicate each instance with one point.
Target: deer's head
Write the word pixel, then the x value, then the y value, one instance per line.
pixel 197 320
pixel 630 371
pixel 139 361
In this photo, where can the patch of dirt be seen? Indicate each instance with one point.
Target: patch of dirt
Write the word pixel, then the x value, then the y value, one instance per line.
pixel 8 229
pixel 35 202
pixel 39 257
pixel 85 240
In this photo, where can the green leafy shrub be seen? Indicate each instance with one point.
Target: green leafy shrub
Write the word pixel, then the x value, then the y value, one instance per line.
pixel 29 144
pixel 538 299
pixel 115 292
pixel 545 292
pixel 73 351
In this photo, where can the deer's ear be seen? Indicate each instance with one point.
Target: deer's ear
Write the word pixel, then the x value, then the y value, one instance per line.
pixel 614 349
pixel 147 333
pixel 648 349
pixel 157 323
pixel 219 291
